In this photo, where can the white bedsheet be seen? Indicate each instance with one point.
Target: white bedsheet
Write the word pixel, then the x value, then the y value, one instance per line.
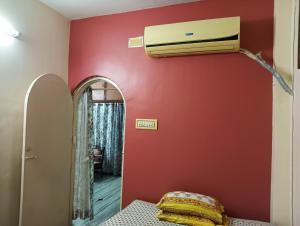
pixel 140 213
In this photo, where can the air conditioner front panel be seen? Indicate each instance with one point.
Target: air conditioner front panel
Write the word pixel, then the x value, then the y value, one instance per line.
pixel 192 31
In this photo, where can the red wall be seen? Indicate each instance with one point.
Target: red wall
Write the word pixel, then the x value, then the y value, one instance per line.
pixel 214 111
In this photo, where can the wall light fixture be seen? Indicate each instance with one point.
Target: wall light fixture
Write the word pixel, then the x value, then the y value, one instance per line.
pixel 7 32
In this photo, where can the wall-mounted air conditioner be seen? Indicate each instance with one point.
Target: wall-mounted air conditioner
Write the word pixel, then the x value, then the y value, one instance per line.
pixel 195 37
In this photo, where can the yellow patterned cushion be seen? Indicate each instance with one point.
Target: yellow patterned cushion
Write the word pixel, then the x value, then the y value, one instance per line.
pixel 225 221
pixel 192 204
pixel 184 219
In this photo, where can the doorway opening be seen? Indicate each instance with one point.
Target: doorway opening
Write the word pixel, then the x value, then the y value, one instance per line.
pixel 99 125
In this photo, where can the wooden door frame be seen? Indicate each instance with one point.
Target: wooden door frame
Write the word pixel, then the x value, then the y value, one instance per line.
pixel 76 95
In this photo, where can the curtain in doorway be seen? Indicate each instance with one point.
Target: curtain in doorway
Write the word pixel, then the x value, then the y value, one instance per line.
pixel 84 167
pixel 108 120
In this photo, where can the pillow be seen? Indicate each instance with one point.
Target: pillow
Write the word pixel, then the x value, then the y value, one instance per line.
pixel 192 204
pixel 184 219
pixel 225 221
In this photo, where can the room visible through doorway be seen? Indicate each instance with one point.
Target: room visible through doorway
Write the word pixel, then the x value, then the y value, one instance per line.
pixel 98 152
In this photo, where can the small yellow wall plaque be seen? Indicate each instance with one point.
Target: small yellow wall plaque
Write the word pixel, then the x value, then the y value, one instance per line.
pixel 146 124
pixel 136 42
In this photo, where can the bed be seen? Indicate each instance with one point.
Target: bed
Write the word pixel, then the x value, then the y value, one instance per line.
pixel 140 213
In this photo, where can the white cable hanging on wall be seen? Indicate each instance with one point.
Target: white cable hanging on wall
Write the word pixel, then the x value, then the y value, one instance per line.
pixel 258 58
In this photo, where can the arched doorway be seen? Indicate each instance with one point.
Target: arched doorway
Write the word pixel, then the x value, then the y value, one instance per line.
pixel 98 149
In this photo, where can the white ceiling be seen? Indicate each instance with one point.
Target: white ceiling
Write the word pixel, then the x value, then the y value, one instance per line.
pixel 77 9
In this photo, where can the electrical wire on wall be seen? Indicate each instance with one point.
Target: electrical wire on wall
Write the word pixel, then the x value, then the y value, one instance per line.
pixel 258 58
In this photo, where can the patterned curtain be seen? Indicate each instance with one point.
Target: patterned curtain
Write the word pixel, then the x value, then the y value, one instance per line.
pixel 84 167
pixel 108 119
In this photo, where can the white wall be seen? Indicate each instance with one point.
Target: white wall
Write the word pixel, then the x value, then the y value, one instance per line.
pixel 42 48
pixel 281 196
